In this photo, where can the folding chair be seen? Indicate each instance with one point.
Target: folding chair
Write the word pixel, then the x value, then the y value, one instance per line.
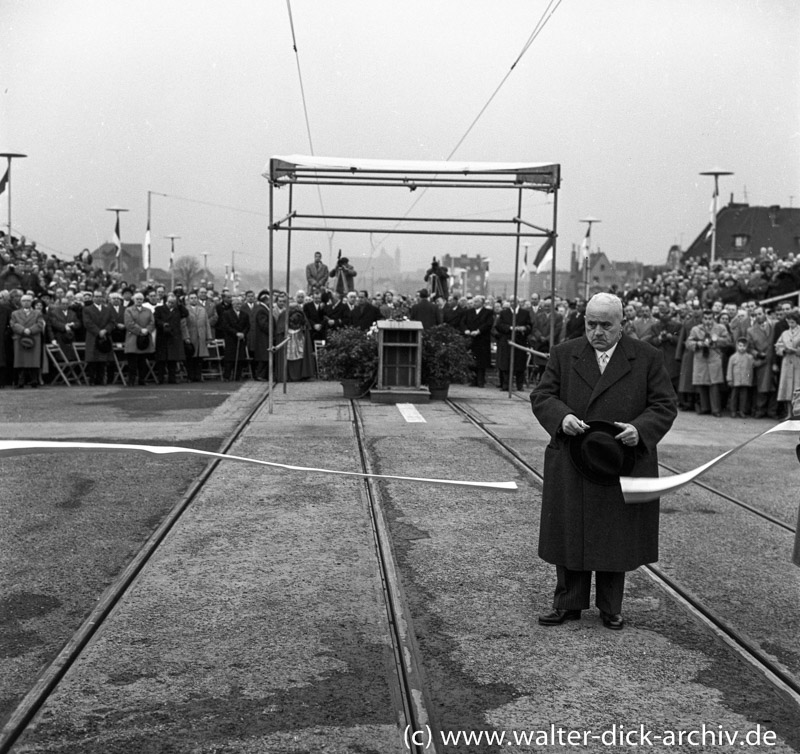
pixel 212 364
pixel 318 346
pixel 119 348
pixel 68 372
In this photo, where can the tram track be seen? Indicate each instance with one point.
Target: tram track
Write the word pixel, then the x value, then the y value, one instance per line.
pixel 781 679
pixel 51 676
pixel 412 699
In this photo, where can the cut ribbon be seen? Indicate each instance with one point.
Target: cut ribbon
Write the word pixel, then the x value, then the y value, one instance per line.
pixel 26 447
pixel 644 489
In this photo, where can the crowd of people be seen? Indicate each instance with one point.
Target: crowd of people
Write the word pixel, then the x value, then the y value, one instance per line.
pixel 725 351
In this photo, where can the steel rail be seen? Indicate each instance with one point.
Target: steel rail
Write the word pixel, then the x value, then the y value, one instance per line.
pixel 782 680
pixel 393 231
pixel 52 675
pixel 413 701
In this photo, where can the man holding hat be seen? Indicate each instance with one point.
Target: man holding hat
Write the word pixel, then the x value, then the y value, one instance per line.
pixel 606 401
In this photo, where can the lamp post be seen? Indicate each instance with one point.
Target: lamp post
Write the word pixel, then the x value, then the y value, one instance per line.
pixel 10 156
pixel 172 238
pixel 716 172
pixel 587 242
pixel 117 234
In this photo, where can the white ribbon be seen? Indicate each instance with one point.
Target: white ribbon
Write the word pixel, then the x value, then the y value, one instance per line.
pixel 26 447
pixel 644 489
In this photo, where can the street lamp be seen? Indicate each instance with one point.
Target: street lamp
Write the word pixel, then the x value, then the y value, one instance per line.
pixel 10 156
pixel 172 238
pixel 716 172
pixel 117 234
pixel 586 247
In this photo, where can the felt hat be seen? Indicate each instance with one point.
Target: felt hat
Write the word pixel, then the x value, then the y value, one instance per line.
pixel 598 456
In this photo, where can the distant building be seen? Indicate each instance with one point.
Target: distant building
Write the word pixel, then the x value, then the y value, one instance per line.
pixel 742 231
pixel 467 274
pixel 601 274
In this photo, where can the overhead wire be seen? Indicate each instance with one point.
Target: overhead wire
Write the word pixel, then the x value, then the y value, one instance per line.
pixel 308 121
pixel 552 5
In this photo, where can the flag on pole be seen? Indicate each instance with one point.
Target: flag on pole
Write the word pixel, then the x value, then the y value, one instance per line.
pixel 524 273
pixel 4 181
pixel 544 256
pixel 713 212
pixel 117 242
pixel 586 242
pixel 172 255
pixel 146 247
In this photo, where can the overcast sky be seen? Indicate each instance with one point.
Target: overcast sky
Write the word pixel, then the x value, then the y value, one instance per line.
pixel 190 98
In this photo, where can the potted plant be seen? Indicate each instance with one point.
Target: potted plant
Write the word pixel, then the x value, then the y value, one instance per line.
pixel 446 358
pixel 350 355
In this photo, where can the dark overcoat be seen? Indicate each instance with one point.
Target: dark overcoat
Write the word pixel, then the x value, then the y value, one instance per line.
pixel 95 320
pixel 503 325
pixel 481 344
pixel 586 526
pixel 171 331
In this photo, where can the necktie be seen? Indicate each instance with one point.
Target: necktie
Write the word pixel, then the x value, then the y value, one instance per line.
pixel 603 362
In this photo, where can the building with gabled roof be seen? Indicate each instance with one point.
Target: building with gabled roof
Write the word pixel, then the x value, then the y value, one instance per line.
pixel 742 231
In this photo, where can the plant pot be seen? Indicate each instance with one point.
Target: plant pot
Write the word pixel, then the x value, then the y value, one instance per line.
pixel 439 391
pixel 352 388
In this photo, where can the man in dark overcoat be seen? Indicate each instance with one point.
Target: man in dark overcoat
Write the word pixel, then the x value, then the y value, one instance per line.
pixel 172 332
pixel 586 526
pixel 99 323
pixel 514 324
pixel 477 325
pixel 235 324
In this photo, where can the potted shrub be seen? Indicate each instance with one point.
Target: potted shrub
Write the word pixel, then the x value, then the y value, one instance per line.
pixel 350 355
pixel 446 358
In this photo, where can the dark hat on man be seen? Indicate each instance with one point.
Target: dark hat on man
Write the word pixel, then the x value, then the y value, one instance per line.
pixel 263 295
pixel 423 293
pixel 598 456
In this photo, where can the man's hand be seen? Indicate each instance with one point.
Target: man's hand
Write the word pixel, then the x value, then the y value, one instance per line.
pixel 629 434
pixel 571 425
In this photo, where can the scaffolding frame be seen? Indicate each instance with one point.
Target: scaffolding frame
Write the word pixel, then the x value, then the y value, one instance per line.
pixel 308 170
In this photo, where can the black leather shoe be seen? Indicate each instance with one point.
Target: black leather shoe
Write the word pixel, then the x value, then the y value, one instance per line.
pixel 613 621
pixel 556 617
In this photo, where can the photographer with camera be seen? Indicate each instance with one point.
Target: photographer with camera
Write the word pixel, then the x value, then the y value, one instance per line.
pixel 708 340
pixel 344 274
pixel 436 278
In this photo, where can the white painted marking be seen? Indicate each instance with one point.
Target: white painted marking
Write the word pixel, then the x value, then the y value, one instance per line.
pixel 409 412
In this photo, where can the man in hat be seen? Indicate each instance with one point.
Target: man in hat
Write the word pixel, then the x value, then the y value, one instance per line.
pixel 606 401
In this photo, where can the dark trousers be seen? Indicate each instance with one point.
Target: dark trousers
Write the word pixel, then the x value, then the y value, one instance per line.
pixel 96 372
pixel 573 589
pixel 137 368
pixel 171 368
pixel 740 400
pixel 709 398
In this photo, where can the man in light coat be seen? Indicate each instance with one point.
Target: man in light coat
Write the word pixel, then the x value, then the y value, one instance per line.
pixel 586 526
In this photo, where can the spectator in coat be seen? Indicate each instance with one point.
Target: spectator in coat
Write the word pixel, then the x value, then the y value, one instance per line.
pixel 477 326
pixel 760 344
pixel 27 326
pixel 171 335
pixel 98 322
pixel 262 334
pixel 740 379
pixel 788 348
pixel 6 341
pixel 707 340
pixel 199 330
pixel 316 274
pixel 365 314
pixel 139 321
pixel 608 394
pixel 235 325
pixel 314 312
pixel 424 311
pixel 513 325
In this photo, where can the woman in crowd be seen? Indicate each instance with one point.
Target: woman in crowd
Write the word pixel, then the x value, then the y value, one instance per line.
pixel 788 346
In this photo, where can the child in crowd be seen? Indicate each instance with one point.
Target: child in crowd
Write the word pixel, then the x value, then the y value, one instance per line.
pixel 740 378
